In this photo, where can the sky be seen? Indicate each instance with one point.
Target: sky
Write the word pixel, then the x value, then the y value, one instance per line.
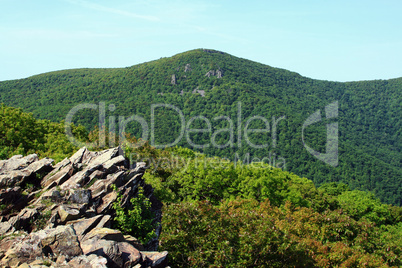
pixel 321 39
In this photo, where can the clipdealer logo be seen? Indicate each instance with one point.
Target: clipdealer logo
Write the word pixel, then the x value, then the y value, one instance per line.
pixel 331 153
pixel 118 125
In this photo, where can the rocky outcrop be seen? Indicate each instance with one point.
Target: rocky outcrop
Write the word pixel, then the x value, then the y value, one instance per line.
pixel 218 73
pixel 173 79
pixel 187 68
pixel 201 92
pixel 17 170
pixel 62 215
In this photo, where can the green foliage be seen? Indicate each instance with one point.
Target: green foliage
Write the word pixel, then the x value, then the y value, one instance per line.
pixel 47 202
pixel 3 207
pixel 136 221
pixel 21 133
pixel 369 112
pixel 214 179
pixel 333 188
pixel 359 204
pixel 221 213
pixel 42 220
pixel 47 263
pixel 247 233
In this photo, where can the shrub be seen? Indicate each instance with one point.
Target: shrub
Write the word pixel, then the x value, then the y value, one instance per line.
pixel 137 221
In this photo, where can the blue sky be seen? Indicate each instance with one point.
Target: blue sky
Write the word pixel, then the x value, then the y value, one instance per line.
pixel 329 40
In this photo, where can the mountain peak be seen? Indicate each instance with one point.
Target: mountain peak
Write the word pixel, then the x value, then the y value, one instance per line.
pixel 212 51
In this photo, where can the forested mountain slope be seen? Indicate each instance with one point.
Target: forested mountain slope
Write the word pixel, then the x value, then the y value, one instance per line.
pixel 225 91
pixel 215 212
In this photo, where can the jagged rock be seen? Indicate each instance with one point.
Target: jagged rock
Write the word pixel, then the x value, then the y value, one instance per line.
pixel 94 163
pixel 104 156
pixel 23 219
pixel 58 177
pixel 17 162
pixel 24 249
pixel 54 195
pixel 132 178
pixel 13 199
pixel 96 175
pixel 53 220
pixel 106 221
pixel 105 248
pixel 106 203
pixel 74 208
pixel 41 165
pixel 10 195
pixel 61 241
pixel 125 202
pixel 134 242
pixel 83 226
pixel 173 80
pixel 106 234
pixel 3 163
pixel 6 244
pixel 80 196
pixel 6 227
pixel 102 186
pixel 25 265
pixel 117 254
pixel 130 255
pixel 187 68
pixel 110 166
pixel 14 177
pixel 17 169
pixel 78 156
pixel 219 73
pixel 155 259
pixel 210 73
pixel 79 178
pixel 139 167
pixel 43 263
pixel 91 261
pixel 68 213
pixel 61 164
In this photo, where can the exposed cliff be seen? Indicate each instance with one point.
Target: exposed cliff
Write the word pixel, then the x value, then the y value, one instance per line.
pixel 63 215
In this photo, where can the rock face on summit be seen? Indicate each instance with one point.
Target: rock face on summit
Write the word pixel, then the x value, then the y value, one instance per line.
pixel 67 222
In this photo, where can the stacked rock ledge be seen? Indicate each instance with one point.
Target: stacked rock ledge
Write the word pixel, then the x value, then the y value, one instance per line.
pixel 62 215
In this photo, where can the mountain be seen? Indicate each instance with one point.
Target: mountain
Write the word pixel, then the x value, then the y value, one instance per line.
pixel 225 95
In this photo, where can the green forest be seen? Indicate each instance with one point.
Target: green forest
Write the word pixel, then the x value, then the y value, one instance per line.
pixel 213 90
pixel 220 213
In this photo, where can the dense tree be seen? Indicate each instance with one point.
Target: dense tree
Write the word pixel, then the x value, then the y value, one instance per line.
pixel 21 133
pixel 220 213
pixel 247 233
pixel 369 112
